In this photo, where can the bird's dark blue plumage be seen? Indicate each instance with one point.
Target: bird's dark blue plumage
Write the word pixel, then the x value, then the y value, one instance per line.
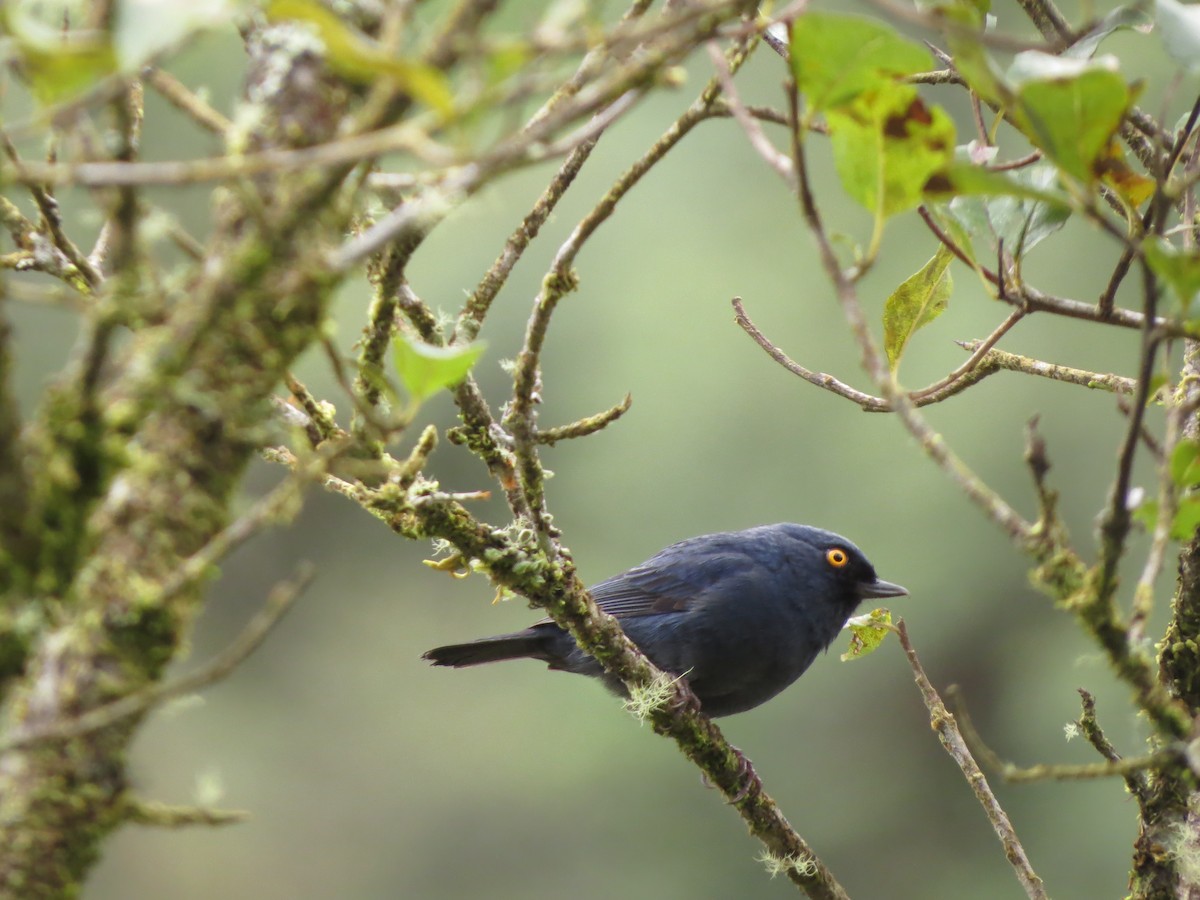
pixel 739 614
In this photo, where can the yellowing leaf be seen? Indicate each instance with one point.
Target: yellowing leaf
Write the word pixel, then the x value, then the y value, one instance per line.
pixel 917 302
pixel 1070 108
pixel 1134 187
pixel 889 147
pixel 453 565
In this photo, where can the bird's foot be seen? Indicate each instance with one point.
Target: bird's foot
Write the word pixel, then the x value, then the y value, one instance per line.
pixel 684 699
pixel 746 775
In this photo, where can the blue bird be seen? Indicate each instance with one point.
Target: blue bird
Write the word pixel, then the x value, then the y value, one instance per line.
pixel 739 614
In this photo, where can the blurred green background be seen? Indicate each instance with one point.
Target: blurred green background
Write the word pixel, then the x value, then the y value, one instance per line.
pixel 372 775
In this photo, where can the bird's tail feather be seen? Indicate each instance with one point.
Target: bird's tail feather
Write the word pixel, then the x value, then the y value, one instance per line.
pixel 518 645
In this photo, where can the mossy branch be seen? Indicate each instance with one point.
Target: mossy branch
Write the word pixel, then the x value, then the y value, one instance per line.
pixel 548 580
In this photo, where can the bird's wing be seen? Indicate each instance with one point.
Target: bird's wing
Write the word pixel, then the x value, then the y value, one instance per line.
pixel 674 579
pixel 642 591
pixel 665 585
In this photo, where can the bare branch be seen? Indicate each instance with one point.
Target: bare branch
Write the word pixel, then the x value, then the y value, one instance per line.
pixel 1090 726
pixel 754 134
pixel 178 95
pixel 1000 359
pixel 586 426
pixel 820 379
pixel 952 740
pixel 1173 755
pixel 161 815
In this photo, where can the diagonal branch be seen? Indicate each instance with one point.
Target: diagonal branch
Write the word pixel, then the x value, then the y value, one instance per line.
pixel 943 722
pixel 548 580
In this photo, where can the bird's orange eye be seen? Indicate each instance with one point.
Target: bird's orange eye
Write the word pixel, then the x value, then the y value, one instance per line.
pixel 837 557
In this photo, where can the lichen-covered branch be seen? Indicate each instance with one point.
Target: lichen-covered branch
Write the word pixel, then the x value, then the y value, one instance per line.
pixel 548 579
pixel 114 522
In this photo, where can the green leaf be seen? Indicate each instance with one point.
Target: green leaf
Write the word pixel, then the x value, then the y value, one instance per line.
pixel 971 59
pixel 1178 27
pixel 144 28
pixel 888 146
pixel 1187 518
pixel 1146 514
pixel 356 58
pixel 1069 108
pixel 1120 19
pixel 1023 209
pixel 1177 267
pixel 979 8
pixel 507 58
pixel 1157 382
pixel 835 58
pixel 58 66
pixel 867 633
pixel 957 228
pixel 967 178
pixel 425 369
pixel 917 302
pixel 1184 523
pixel 1185 463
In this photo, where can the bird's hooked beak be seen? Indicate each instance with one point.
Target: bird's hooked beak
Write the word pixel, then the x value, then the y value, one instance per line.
pixel 870 590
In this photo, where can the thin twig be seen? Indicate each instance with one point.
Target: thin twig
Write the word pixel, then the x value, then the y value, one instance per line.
pixel 470 319
pixel 1149 441
pixel 1114 526
pixel 183 99
pixel 1036 301
pixel 951 738
pixel 983 362
pixel 47 204
pixel 162 815
pixel 1122 767
pixel 820 379
pixel 750 127
pixel 584 427
pixel 403 138
pixel 1019 163
pixel 1001 359
pixel 916 16
pixel 1039 466
pixel 1090 726
pixel 1143 592
pixel 952 245
pixel 976 359
pixel 561 279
